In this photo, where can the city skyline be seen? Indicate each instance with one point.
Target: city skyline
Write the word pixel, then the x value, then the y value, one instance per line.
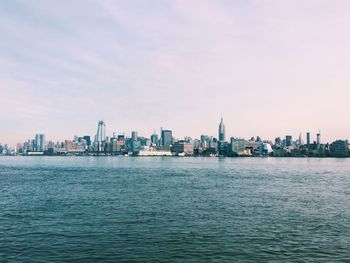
pixel 102 133
pixel 270 68
pixel 157 131
pixel 166 144
pixel 221 135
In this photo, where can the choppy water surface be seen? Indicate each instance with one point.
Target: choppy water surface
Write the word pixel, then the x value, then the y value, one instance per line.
pixel 106 209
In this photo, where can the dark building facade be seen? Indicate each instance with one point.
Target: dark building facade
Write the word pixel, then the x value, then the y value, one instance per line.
pixel 182 147
pixel 154 139
pixel 308 139
pixel 339 148
pixel 87 139
pixel 167 137
pixel 288 140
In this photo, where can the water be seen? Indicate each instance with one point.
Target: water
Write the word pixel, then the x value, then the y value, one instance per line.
pixel 120 209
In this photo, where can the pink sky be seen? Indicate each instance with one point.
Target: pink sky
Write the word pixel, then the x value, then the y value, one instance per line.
pixel 270 68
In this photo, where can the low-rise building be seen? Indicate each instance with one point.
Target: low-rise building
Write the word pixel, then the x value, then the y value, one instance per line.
pixel 150 151
pixel 182 147
pixel 72 147
pixel 339 148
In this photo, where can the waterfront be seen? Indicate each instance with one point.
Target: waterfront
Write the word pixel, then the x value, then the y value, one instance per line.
pixel 114 209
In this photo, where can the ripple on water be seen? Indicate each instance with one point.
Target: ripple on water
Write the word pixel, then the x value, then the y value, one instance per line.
pixel 174 209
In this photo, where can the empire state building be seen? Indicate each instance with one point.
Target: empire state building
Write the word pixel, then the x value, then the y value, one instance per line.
pixel 222 130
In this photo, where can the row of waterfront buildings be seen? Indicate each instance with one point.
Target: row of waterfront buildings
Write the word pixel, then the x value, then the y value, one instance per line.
pixel 165 144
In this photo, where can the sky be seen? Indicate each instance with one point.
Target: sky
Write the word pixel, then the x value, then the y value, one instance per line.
pixel 270 68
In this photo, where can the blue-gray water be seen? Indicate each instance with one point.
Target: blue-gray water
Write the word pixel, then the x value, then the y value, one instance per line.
pixel 89 209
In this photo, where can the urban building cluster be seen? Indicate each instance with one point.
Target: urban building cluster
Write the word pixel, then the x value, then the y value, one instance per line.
pixel 165 144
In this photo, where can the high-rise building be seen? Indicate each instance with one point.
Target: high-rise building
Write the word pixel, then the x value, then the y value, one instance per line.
pixel 32 145
pixel 205 138
pixel 167 137
pixel 318 138
pixel 101 132
pixel 237 146
pixel 134 135
pixel 308 139
pixel 135 146
pixel 154 139
pixel 121 139
pixel 51 147
pixel 39 142
pixel 87 139
pixel 288 140
pixel 100 135
pixel 222 130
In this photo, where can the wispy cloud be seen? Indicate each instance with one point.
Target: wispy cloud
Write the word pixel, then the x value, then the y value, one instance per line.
pixel 270 67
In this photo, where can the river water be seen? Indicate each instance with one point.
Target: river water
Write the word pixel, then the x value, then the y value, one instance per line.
pixel 126 209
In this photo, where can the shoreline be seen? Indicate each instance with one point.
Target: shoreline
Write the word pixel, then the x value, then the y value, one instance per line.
pixel 165 156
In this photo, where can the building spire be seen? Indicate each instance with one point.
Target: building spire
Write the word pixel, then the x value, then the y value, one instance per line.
pixel 222 130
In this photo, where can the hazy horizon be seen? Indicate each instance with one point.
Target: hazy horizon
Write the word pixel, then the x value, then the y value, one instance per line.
pixel 270 68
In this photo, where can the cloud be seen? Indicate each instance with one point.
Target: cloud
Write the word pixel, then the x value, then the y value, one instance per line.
pixel 270 67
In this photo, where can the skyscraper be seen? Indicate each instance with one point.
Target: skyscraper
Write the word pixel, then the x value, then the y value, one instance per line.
pixel 318 138
pixel 167 137
pixel 39 142
pixel 101 132
pixel 134 135
pixel 222 130
pixel 154 138
pixel 100 135
pixel 289 139
pixel 308 139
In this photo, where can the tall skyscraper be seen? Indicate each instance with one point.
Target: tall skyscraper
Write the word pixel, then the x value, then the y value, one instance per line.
pixel 318 138
pixel 289 140
pixel 167 137
pixel 134 135
pixel 101 132
pixel 100 135
pixel 39 142
pixel 222 130
pixel 154 138
pixel 308 139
